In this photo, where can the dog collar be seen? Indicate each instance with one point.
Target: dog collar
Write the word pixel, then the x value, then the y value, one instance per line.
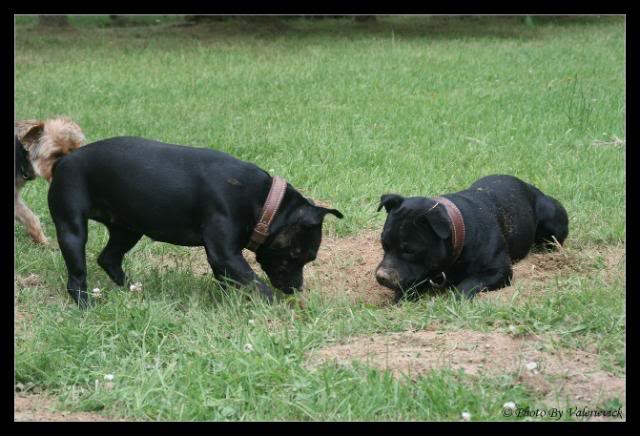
pixel 456 223
pixel 269 210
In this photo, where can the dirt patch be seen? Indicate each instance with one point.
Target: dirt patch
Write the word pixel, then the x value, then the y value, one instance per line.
pixel 532 275
pixel 37 407
pixel 541 266
pixel 346 267
pixel 29 281
pixel 556 375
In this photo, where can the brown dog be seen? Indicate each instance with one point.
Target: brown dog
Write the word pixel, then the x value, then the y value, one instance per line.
pixel 38 145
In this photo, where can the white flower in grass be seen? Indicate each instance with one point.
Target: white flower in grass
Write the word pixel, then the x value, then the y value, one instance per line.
pixel 252 321
pixel 248 348
pixel 136 287
pixel 96 292
pixel 466 416
pixel 531 366
pixel 109 377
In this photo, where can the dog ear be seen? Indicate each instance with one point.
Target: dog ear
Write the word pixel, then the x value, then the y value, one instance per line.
pixel 390 202
pixel 314 215
pixel 438 219
pixel 33 134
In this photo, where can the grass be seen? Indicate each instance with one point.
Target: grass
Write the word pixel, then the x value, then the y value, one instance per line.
pixel 345 111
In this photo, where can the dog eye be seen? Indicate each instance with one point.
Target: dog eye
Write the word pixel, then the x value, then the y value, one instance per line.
pixel 409 250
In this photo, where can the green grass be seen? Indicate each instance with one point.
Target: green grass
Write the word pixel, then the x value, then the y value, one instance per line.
pixel 345 111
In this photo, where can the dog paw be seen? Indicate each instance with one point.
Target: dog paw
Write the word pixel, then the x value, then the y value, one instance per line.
pixel 40 239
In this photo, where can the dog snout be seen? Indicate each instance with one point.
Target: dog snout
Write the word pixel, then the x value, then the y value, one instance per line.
pixel 387 277
pixel 288 285
pixel 291 289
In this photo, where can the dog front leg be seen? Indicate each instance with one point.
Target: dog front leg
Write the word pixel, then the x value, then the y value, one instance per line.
pixel 469 287
pixel 30 221
pixel 121 240
pixel 233 266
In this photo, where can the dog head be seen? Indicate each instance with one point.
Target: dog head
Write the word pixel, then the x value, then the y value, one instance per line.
pixel 47 141
pixel 294 241
pixel 416 242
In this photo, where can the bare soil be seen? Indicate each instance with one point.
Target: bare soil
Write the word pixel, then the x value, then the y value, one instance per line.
pixel 39 408
pixel 31 280
pixel 348 265
pixel 562 378
pixel 534 274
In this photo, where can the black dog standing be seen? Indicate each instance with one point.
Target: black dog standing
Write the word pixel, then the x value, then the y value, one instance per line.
pixel 468 239
pixel 184 196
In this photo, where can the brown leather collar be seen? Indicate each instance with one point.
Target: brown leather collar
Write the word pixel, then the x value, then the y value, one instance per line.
pixel 456 223
pixel 269 210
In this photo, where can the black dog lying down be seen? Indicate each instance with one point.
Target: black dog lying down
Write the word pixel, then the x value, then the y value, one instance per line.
pixel 184 196
pixel 467 239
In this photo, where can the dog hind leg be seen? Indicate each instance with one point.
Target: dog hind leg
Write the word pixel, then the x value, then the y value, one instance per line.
pixel 72 238
pixel 121 240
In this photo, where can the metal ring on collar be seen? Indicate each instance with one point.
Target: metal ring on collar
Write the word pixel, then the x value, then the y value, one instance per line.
pixel 442 283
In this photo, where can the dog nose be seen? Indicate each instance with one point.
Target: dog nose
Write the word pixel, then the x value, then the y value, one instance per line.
pixel 386 277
